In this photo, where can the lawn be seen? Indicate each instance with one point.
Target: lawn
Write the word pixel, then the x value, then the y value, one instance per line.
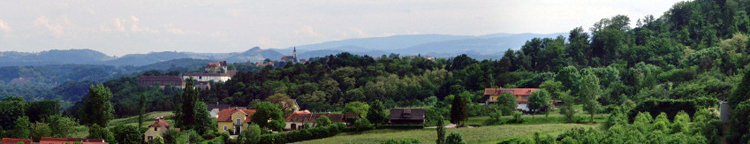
pixel 486 134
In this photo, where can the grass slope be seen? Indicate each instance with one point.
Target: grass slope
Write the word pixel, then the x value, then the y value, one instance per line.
pixel 83 131
pixel 486 134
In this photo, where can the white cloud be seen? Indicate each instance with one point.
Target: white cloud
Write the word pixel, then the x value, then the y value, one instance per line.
pixel 4 26
pixel 171 29
pixel 233 12
pixel 309 31
pixel 134 26
pixel 56 28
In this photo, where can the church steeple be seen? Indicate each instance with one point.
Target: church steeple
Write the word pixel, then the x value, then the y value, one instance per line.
pixel 295 54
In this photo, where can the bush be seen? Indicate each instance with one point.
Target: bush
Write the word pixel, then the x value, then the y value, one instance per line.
pixel 362 124
pixel 495 118
pixel 302 135
pixel 454 138
pixel 403 141
pixel 670 106
pixel 517 119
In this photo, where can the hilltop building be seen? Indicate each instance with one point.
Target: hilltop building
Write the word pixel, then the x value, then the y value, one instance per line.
pixel 290 58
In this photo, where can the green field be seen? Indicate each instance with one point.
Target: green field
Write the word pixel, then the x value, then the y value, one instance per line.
pixel 486 134
pixel 82 131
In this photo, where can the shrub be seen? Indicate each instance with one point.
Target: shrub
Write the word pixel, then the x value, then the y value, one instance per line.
pixel 454 138
pixel 403 141
pixel 302 135
pixel 516 118
pixel 362 124
pixel 670 106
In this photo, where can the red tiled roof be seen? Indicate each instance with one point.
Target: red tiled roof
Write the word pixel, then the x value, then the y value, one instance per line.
pixel 48 140
pixel 160 123
pixel 226 115
pixel 14 141
pixel 512 91
pixel 351 115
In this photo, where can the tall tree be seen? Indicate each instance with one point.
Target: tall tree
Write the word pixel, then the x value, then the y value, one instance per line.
pixel 459 110
pixel 61 125
pixel 440 131
pixel 128 134
pixel 283 102
pixel 589 91
pixel 376 113
pixel 142 108
pixel 98 110
pixel 11 108
pixel 187 108
pixel 539 100
pixel 249 136
pixel 357 107
pixel 738 100
pixel 269 116
pixel 203 120
pixel 21 129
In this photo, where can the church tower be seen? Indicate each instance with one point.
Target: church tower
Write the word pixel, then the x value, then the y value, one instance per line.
pixel 295 54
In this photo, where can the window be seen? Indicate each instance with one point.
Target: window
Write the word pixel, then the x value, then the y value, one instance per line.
pixel 155 128
pixel 238 122
pixel 150 138
pixel 225 128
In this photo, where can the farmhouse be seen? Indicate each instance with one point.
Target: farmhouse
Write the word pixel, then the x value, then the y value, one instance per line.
pixel 214 109
pixel 297 120
pixel 234 120
pixel 15 141
pixel 407 116
pixel 521 94
pixel 156 129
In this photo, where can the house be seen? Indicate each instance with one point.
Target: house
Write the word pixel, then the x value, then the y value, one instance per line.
pixel 156 129
pixel 234 120
pixel 162 81
pixel 297 120
pixel 49 140
pixel 217 66
pixel 521 94
pixel 207 77
pixel 407 116
pixel 15 141
pixel 214 109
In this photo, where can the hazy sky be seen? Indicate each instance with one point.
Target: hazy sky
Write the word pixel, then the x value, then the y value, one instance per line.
pixel 136 26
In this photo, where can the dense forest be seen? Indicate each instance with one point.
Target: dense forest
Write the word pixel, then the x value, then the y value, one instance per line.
pixel 697 51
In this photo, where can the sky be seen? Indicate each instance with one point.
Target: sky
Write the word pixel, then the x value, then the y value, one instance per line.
pixel 117 28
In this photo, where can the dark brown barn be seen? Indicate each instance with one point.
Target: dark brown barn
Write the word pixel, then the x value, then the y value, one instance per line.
pixel 407 116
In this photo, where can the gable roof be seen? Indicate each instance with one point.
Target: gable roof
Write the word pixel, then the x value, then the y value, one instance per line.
pixel 49 140
pixel 160 123
pixel 226 115
pixel 14 141
pixel 512 91
pixel 407 114
pixel 218 106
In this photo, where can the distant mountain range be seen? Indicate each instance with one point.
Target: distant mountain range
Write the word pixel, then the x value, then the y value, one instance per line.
pixel 479 47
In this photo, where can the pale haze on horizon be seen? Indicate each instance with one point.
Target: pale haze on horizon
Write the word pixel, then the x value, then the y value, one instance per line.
pixel 129 27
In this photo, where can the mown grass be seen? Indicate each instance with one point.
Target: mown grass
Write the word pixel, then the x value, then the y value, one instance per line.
pixel 486 134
